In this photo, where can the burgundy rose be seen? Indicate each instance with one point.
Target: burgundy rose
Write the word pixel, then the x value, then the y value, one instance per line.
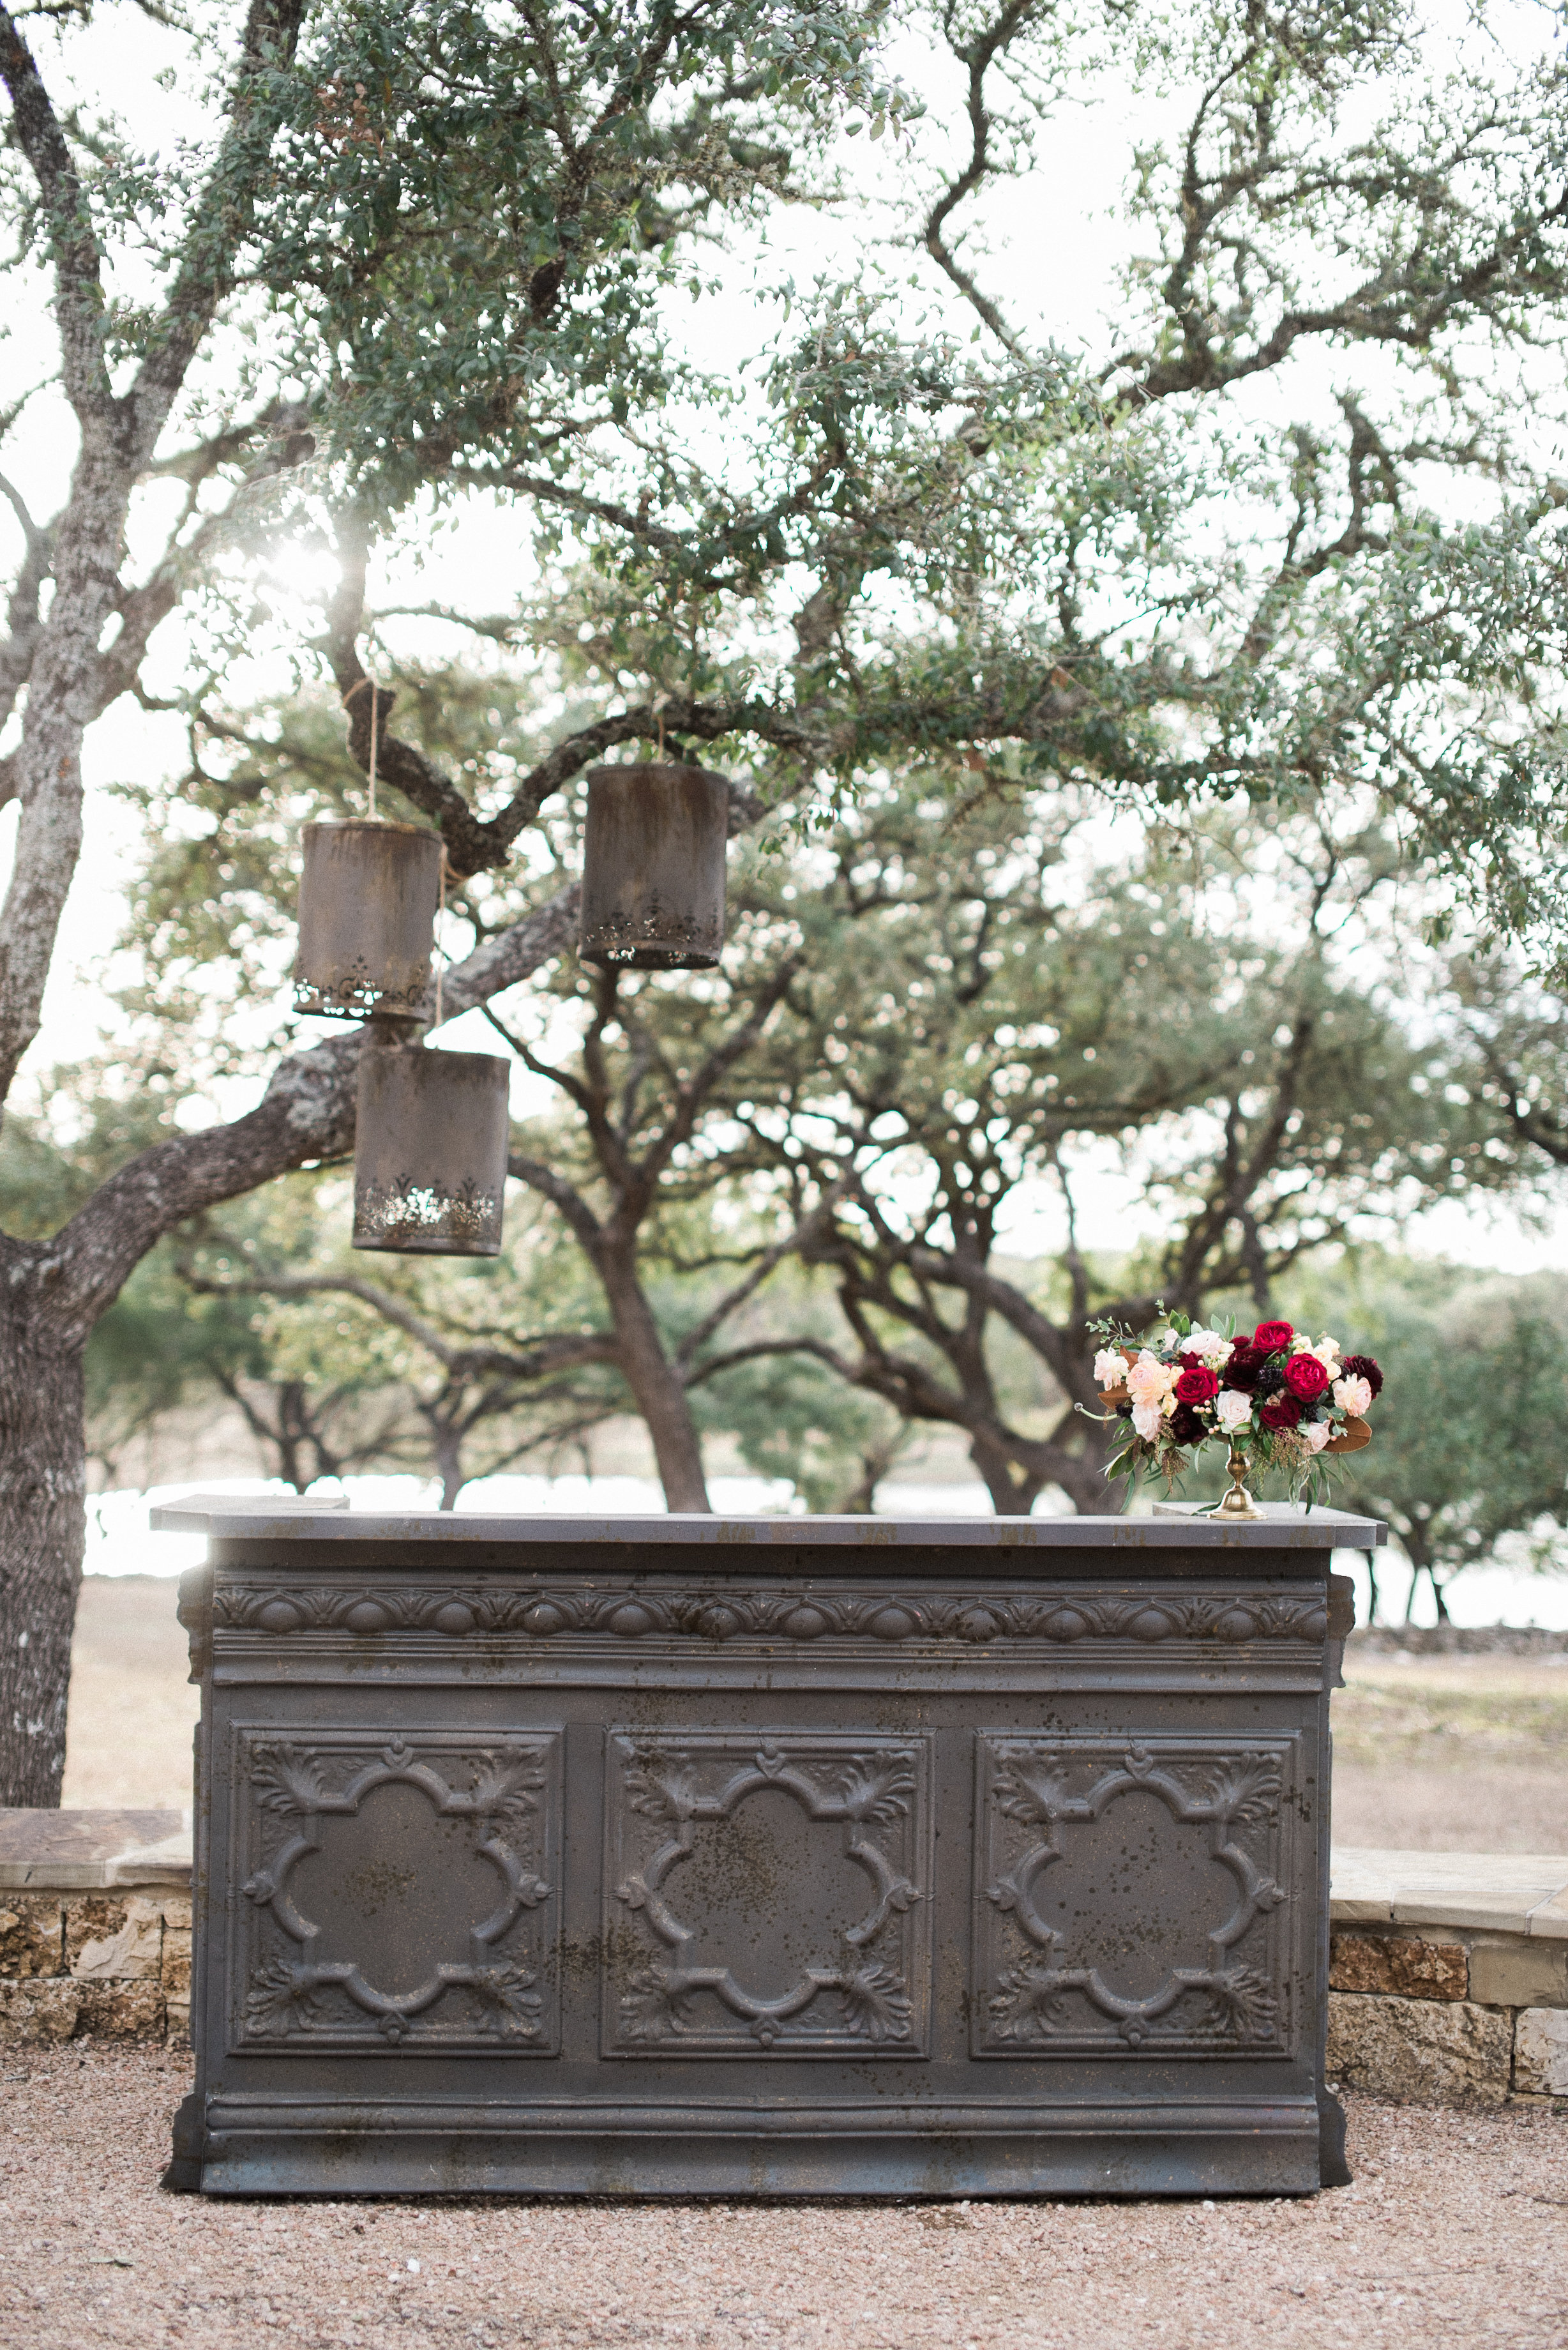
pixel 1185 1425
pixel 1272 1337
pixel 1196 1385
pixel 1241 1370
pixel 1305 1377
pixel 1284 1411
pixel 1362 1367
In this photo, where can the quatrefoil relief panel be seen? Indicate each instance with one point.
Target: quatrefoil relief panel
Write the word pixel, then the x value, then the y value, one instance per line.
pixel 767 1893
pixel 1130 1896
pixel 401 1889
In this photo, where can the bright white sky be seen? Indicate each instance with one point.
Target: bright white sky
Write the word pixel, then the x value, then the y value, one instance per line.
pixel 1055 245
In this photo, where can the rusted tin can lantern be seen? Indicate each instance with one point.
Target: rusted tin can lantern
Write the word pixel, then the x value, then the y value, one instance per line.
pixel 368 901
pixel 653 866
pixel 430 1152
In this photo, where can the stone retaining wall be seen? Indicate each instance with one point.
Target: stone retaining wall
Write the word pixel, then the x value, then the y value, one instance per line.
pixel 1449 1975
pixel 95 1926
pixel 105 1965
pixel 1525 1640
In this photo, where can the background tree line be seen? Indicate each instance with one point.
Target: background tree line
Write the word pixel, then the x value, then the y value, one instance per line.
pixel 765 1204
pixel 1267 561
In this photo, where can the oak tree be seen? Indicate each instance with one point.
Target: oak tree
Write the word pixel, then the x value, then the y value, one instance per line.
pixel 406 259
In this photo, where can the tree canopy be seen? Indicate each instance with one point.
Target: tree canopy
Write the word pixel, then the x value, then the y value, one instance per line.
pixel 308 281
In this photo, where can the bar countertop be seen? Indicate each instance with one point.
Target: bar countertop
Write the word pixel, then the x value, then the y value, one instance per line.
pixel 1174 1526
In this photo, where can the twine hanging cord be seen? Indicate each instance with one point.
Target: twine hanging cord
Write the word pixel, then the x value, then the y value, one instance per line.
pixel 359 687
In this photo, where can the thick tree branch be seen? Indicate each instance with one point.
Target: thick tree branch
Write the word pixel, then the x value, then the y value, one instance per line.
pixel 305 1117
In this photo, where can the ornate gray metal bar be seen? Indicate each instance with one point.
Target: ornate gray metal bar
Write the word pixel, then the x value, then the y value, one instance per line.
pixel 783 1856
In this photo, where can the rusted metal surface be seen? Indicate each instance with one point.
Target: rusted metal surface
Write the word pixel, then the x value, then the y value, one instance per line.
pixel 430 1152
pixel 368 899
pixel 557 1858
pixel 653 866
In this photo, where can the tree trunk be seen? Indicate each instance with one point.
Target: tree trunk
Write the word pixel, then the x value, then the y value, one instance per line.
pixel 1013 1492
pixel 860 1501
pixel 1083 1478
pixel 1416 1551
pixel 449 1467
pixel 52 1292
pixel 43 1525
pixel 656 1385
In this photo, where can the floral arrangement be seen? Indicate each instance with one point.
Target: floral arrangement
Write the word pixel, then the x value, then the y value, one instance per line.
pixel 1279 1399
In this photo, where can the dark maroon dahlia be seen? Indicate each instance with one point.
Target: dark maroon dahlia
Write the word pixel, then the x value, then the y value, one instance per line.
pixel 1186 1425
pixel 1362 1367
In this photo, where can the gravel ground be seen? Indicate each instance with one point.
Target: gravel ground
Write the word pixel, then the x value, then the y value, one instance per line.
pixel 1454 2232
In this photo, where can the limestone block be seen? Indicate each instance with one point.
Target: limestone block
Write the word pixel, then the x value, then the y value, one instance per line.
pixel 174 1972
pixel 1433 2052
pixel 179 2012
pixel 122 2011
pixel 1519 1973
pixel 133 1954
pixel 91 1916
pixel 176 1908
pixel 37 2009
pixel 1541 2051
pixel 32 1934
pixel 1391 1962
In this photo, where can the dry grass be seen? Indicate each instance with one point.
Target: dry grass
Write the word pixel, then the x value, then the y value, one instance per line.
pixel 1452 1753
pixel 132 1709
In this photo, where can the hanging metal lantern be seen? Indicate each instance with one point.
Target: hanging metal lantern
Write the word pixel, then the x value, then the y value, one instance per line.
pixel 368 901
pixel 430 1152
pixel 653 866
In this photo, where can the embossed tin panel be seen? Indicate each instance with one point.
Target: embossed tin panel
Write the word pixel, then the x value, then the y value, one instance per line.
pixel 398 1889
pixel 767 1894
pixel 1130 1896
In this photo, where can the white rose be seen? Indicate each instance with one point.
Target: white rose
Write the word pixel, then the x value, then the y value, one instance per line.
pixel 1353 1396
pixel 1327 1352
pixel 1318 1434
pixel 1233 1408
pixel 1209 1346
pixel 1110 1368
pixel 1147 1418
